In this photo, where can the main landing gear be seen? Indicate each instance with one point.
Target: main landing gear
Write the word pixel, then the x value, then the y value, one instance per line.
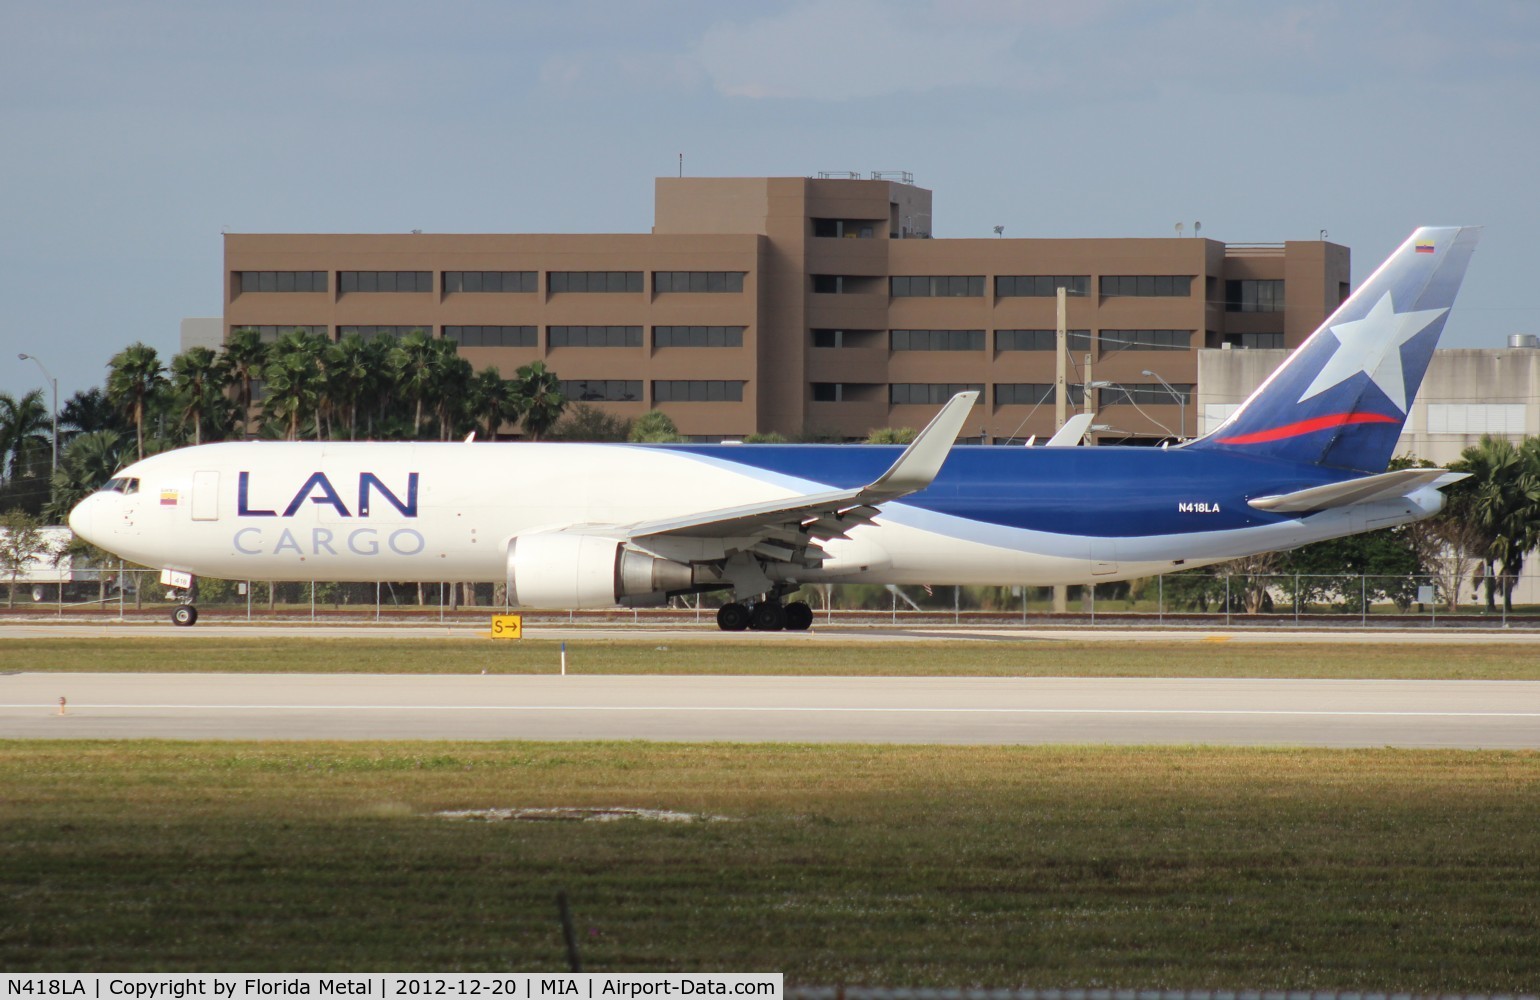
pixel 765 616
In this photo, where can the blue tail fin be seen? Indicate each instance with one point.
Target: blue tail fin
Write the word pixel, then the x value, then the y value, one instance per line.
pixel 1341 399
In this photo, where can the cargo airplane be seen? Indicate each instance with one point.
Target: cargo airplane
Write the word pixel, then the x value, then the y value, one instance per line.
pixel 600 525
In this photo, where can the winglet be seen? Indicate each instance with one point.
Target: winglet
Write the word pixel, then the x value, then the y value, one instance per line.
pixel 920 462
pixel 1073 431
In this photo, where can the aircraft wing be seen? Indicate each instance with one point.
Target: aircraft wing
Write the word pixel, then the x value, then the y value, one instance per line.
pixel 1384 486
pixel 786 528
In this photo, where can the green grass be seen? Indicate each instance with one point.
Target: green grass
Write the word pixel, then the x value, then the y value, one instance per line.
pixel 784 655
pixel 1177 868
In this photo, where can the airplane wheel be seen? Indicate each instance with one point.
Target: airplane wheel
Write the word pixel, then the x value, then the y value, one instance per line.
pixel 732 617
pixel 799 617
pixel 767 616
pixel 184 614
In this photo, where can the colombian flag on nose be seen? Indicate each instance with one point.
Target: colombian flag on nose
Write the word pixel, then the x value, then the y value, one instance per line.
pixel 1424 246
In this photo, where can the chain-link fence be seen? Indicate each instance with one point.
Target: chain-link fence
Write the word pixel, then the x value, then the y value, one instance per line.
pixel 1196 597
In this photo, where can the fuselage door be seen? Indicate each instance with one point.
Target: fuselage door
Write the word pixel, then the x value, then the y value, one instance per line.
pixel 205 496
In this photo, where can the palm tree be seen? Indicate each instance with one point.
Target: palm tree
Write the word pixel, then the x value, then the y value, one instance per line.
pixel 242 359
pixel 199 385
pixel 86 411
pixel 88 462
pixel 135 378
pixel 24 434
pixel 348 377
pixel 417 367
pixel 295 378
pixel 452 390
pixel 540 399
pixel 492 401
pixel 1502 500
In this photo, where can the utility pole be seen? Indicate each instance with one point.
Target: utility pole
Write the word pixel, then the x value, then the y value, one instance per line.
pixel 1061 364
pixel 1060 407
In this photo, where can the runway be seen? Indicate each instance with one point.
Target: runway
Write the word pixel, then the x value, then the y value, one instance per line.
pixel 999 711
pixel 114 629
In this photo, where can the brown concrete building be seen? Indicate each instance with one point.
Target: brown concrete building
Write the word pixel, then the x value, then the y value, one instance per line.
pixel 792 304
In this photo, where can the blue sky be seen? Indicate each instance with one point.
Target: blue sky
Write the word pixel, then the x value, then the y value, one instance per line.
pixel 133 133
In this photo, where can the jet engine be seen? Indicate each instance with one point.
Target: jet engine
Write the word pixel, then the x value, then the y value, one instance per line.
pixel 558 569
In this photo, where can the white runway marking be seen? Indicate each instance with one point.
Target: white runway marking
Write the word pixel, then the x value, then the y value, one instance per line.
pixel 756 709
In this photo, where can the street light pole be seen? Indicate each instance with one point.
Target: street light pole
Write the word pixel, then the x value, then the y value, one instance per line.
pixel 1181 402
pixel 55 382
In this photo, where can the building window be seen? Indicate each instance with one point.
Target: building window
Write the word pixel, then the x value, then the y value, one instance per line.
pixel 594 336
pixel 847 338
pixel 281 281
pixel 491 281
pixel 828 392
pixel 1145 394
pixel 1148 285
pixel 270 334
pixel 1041 285
pixel 371 332
pixel 492 336
pixel 1040 340
pixel 937 286
pixel 599 390
pixel 385 281
pixel 697 336
pixel 682 391
pixel 1035 393
pixel 1145 340
pixel 902 393
pixel 846 284
pixel 1248 296
pixel 697 281
pixel 594 281
pixel 938 340
pixel 862 229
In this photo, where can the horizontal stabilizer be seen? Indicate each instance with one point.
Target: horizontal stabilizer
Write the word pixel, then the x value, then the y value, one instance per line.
pixel 1385 486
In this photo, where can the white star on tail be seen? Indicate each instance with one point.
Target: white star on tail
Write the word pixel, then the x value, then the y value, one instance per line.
pixel 1372 345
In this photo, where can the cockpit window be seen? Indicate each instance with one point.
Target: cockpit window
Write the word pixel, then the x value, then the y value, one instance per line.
pixel 124 485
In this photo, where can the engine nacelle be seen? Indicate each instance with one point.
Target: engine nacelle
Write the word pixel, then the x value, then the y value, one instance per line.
pixel 558 569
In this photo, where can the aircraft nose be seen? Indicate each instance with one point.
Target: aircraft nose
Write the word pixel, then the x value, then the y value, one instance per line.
pixel 83 518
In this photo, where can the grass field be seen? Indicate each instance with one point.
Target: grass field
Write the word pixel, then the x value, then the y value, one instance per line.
pixel 785 655
pixel 1177 868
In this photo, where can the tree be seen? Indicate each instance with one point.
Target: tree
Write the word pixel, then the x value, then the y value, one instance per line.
pixel 86 411
pixel 88 462
pixel 243 358
pixel 294 378
pixel 492 402
pixel 21 541
pixel 198 385
pixel 585 422
pixel 1501 499
pixel 135 378
pixel 25 429
pixel 349 378
pixel 654 426
pixel 417 366
pixel 452 390
pixel 540 398
pixel 891 435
